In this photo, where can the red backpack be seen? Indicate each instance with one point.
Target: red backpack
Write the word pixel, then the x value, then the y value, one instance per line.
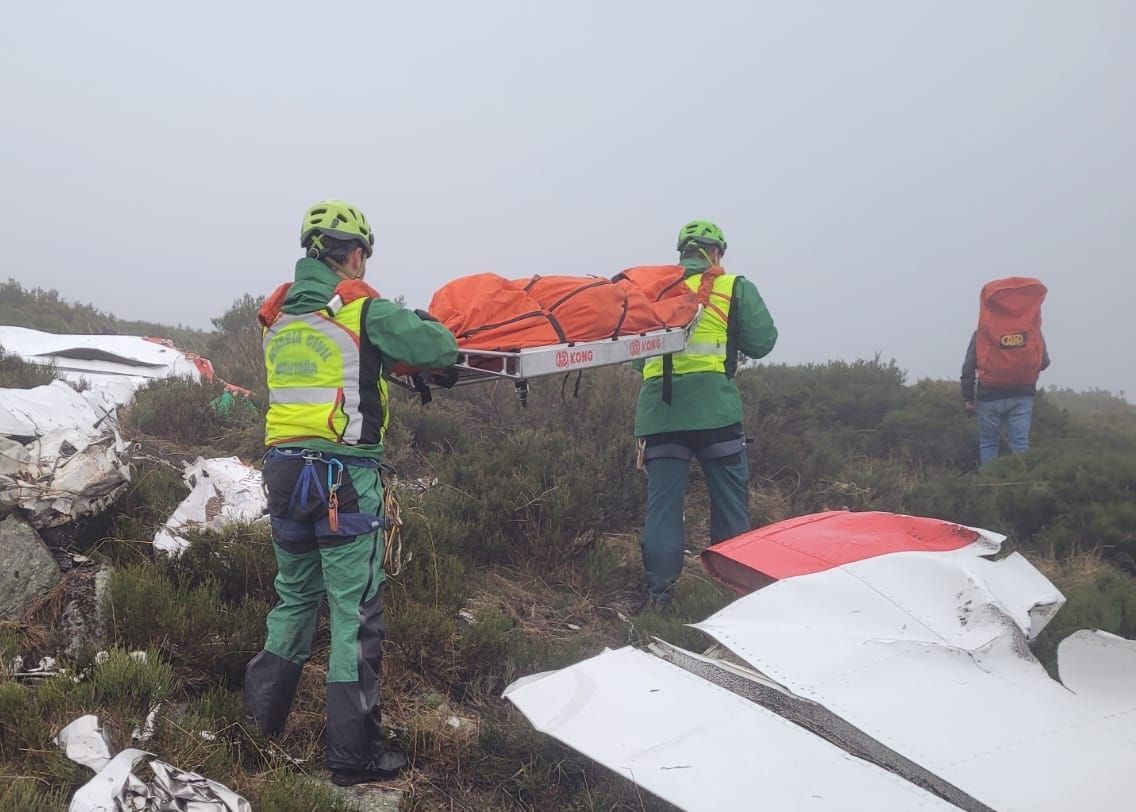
pixel 1009 346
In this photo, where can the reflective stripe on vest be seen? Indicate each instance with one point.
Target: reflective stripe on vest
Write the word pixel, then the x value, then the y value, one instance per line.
pixel 316 378
pixel 706 349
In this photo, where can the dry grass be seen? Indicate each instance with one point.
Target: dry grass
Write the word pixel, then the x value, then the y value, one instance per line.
pixel 1078 567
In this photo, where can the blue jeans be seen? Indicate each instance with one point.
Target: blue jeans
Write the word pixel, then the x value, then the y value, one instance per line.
pixel 1009 417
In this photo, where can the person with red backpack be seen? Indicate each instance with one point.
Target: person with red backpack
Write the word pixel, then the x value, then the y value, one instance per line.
pixel 1003 362
pixel 689 406
pixel 328 340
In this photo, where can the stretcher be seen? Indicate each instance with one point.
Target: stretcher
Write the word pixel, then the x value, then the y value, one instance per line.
pixel 522 365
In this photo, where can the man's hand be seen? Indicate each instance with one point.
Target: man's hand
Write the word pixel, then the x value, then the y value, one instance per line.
pixel 971 409
pixel 446 378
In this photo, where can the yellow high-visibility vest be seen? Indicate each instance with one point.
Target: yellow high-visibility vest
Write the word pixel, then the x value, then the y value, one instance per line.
pixel 324 379
pixel 706 348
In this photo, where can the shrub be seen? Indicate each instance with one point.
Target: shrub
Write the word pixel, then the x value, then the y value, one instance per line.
pixel 235 349
pixel 20 723
pixel 1100 597
pixel 187 620
pixel 154 493
pixel 126 685
pixel 284 791
pixel 1060 499
pixel 176 409
pixel 16 373
pixel 29 795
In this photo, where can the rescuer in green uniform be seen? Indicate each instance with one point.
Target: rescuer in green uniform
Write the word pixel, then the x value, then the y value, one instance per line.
pixel 689 406
pixel 328 339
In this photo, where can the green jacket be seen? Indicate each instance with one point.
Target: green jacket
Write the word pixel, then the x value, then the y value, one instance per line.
pixel 396 332
pixel 707 400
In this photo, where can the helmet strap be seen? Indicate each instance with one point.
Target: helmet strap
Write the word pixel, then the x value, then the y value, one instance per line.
pixel 340 270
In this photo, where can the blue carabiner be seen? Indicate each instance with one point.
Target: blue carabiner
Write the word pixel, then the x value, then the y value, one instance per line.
pixel 333 482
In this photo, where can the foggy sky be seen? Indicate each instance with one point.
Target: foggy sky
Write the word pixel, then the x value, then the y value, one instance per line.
pixel 872 163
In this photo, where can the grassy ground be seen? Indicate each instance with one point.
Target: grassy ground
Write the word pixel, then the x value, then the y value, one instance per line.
pixel 524 558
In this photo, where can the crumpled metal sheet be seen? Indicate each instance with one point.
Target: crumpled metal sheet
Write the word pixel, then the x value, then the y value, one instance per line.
pixel 116 787
pixel 122 362
pixel 927 652
pixel 224 491
pixel 917 656
pixel 61 457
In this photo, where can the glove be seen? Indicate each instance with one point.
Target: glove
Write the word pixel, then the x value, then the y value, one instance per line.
pixel 425 316
pixel 446 378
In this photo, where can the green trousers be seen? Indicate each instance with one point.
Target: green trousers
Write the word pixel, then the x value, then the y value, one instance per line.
pixel 664 534
pixel 345 566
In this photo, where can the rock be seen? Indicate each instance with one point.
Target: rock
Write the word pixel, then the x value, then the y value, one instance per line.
pixel 102 583
pixel 75 629
pixel 369 797
pixel 27 568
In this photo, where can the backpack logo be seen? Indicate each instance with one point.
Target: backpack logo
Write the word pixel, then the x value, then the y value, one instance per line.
pixel 1013 341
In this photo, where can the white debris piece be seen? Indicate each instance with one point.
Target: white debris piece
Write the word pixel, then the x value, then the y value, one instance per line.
pixel 927 653
pixel 900 641
pixel 224 491
pixel 116 787
pixel 61 457
pixel 146 731
pixel 43 669
pixel 126 362
pixel 85 742
pixel 700 746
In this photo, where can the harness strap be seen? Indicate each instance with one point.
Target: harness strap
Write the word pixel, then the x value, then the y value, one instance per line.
pixel 726 448
pixel 320 456
pixel 302 487
pixel 667 451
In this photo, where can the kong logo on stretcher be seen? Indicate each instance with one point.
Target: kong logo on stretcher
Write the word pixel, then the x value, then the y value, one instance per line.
pixel 569 358
pixel 643 345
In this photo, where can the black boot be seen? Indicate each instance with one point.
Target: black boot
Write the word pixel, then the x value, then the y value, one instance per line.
pixel 388 765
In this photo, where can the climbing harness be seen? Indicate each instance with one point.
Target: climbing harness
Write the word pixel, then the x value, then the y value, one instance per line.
pixel 326 490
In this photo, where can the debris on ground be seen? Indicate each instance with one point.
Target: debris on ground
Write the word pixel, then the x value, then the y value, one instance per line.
pixel 223 491
pixel 61 457
pixel 885 664
pixel 117 786
pixel 117 363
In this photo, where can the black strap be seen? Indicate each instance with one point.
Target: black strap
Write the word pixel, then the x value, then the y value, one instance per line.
pixel 424 393
pixel 733 327
pixel 575 389
pixel 667 451
pixel 668 377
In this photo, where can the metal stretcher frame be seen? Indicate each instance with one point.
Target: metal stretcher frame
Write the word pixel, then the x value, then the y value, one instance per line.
pixel 520 366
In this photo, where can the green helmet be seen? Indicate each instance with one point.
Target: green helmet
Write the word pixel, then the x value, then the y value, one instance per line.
pixel 337 219
pixel 702 232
